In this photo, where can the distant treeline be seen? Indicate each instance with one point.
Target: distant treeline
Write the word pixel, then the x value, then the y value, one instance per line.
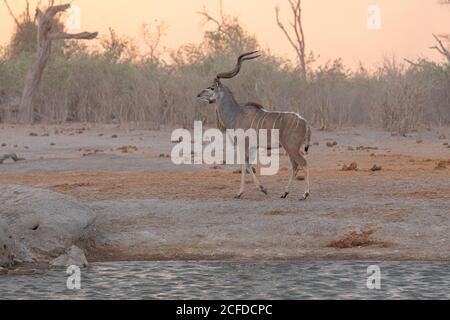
pixel 116 82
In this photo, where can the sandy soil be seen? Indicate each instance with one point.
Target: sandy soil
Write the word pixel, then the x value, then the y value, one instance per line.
pixel 149 208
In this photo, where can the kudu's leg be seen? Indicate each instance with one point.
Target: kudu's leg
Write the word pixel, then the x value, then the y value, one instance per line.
pixel 294 167
pixel 256 180
pixel 301 161
pixel 241 190
pixel 250 160
pixel 305 168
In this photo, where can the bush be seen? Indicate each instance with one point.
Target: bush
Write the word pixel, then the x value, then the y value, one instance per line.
pixel 114 83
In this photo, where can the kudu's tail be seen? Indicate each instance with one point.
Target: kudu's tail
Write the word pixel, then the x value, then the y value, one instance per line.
pixel 307 138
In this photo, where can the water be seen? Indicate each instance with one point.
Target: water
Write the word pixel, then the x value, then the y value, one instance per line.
pixel 236 280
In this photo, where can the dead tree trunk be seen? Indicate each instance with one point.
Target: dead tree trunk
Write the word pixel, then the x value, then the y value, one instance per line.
pixel 297 40
pixel 45 36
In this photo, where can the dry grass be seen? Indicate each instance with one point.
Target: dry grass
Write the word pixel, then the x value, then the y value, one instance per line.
pixel 356 239
pixel 351 167
pixel 276 213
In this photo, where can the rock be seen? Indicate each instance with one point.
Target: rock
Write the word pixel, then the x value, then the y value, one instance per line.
pixel 7 246
pixel 331 144
pixel 74 256
pixel 43 223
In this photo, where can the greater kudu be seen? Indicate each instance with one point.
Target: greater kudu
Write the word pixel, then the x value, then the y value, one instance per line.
pixel 294 131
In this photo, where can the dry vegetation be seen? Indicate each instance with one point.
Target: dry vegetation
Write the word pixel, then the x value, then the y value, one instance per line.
pixel 114 82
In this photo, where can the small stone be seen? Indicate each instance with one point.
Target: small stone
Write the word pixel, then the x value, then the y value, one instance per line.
pixel 74 256
pixel 114 136
pixel 331 144
pixel 33 134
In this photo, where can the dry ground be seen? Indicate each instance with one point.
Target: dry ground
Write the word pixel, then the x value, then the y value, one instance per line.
pixel 148 208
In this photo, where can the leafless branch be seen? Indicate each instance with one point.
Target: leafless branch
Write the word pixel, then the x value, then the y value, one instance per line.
pixel 209 18
pixel 79 36
pixel 441 48
pixel 53 10
pixel 11 13
pixel 297 40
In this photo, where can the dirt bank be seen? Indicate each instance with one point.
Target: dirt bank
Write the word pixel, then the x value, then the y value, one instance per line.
pixel 148 208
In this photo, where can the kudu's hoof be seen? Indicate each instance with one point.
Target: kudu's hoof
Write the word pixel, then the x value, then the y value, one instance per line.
pixel 305 196
pixel 238 196
pixel 284 196
pixel 263 190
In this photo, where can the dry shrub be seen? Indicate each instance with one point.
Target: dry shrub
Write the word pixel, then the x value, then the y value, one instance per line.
pixel 376 168
pixel 356 239
pixel 441 165
pixel 352 167
pixel 118 84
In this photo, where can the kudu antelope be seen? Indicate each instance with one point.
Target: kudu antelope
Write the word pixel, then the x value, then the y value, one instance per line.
pixel 294 131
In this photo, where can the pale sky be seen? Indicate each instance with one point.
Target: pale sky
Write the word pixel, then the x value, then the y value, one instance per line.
pixel 333 28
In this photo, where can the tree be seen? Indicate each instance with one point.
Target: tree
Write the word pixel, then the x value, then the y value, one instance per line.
pixel 228 38
pixel 440 47
pixel 46 34
pixel 152 39
pixel 297 40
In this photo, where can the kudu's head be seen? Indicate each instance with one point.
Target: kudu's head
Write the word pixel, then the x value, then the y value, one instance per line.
pixel 212 93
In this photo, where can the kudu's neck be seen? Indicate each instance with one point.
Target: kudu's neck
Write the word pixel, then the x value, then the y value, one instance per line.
pixel 228 108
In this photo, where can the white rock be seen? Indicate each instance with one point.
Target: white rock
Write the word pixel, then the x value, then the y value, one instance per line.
pixel 43 223
pixel 74 256
pixel 7 247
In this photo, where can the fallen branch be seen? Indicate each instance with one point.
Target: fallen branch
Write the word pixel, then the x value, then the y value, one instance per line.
pixel 12 156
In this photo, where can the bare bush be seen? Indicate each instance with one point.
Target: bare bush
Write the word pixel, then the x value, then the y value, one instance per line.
pixel 115 83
